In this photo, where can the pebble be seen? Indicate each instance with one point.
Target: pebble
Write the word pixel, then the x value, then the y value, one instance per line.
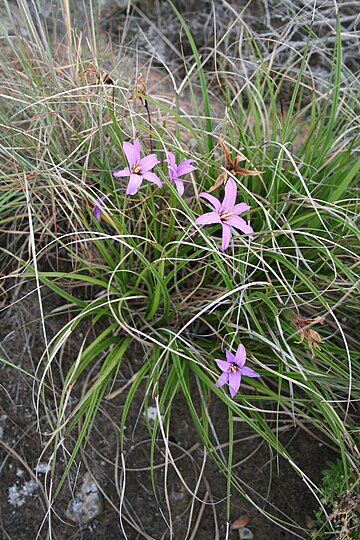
pixel 241 522
pixel 151 414
pixel 17 494
pixel 245 534
pixel 86 504
pixel 310 522
pixel 42 468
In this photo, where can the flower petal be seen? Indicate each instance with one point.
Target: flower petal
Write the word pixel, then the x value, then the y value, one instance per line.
pixel 137 147
pixel 223 379
pixel 151 177
pixel 148 162
pixel 172 173
pixel 240 223
pixel 230 195
pixel 97 213
pixel 213 200
pixel 170 159
pixel 252 237
pixel 234 382
pixel 240 208
pixel 230 357
pixel 122 172
pixel 208 218
pixel 240 356
pixel 248 372
pixel 185 167
pixel 179 186
pixel 226 236
pixel 134 184
pixel 132 152
pixel 224 366
pixel 97 208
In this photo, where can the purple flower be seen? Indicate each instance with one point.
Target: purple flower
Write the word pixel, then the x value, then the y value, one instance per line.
pixel 97 208
pixel 227 213
pixel 233 368
pixel 174 171
pixel 138 168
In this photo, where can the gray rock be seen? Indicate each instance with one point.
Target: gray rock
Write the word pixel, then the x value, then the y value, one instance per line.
pixel 245 534
pixel 110 4
pixel 86 504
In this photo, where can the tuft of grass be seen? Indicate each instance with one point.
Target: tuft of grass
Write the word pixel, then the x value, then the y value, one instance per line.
pixel 341 496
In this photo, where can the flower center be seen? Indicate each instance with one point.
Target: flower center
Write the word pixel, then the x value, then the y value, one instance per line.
pixel 234 368
pixel 226 214
pixel 136 168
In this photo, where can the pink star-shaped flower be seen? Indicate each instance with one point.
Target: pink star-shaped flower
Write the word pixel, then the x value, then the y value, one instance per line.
pixel 233 369
pixel 227 213
pixel 139 168
pixel 174 171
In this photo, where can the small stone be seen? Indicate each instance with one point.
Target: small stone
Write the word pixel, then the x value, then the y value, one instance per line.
pixel 42 468
pixel 151 414
pixel 107 6
pixel 86 504
pixel 241 522
pixel 17 494
pixel 310 522
pixel 245 534
pixel 3 419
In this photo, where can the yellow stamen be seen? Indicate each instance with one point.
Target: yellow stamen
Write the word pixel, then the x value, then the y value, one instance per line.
pixel 136 168
pixel 226 214
pixel 234 368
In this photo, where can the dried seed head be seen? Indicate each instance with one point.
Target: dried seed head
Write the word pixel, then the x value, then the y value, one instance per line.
pixel 97 76
pixel 139 89
pixel 221 179
pixel 231 166
pixel 302 325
